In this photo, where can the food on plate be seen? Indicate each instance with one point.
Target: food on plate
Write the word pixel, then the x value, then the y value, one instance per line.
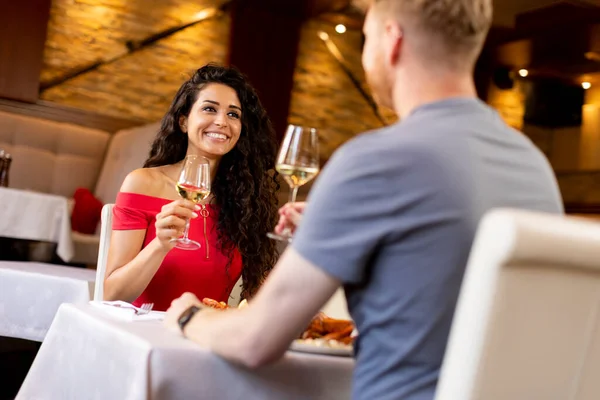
pixel 329 329
pixel 219 305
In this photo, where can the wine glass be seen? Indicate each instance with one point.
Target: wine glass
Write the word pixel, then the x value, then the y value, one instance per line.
pixel 194 185
pixel 298 163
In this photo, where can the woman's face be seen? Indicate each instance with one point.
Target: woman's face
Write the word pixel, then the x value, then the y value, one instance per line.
pixel 215 121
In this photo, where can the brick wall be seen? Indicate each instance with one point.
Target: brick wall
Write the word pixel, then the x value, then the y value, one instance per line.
pixel 324 96
pixel 141 85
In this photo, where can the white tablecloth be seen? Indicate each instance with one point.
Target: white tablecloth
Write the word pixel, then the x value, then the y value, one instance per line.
pixel 30 294
pixel 88 354
pixel 36 216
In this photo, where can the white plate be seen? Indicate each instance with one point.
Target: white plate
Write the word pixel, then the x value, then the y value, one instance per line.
pixel 319 347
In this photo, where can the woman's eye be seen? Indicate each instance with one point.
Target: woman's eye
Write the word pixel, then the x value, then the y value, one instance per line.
pixel 209 108
pixel 234 115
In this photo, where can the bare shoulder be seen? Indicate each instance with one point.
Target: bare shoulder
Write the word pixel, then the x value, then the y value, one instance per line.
pixel 142 181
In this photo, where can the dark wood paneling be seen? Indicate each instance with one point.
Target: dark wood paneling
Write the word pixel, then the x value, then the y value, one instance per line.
pixel 581 208
pixel 264 45
pixel 23 26
pixel 552 41
pixel 55 112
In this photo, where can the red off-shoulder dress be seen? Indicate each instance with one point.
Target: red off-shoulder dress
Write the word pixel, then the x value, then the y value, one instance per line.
pixel 203 272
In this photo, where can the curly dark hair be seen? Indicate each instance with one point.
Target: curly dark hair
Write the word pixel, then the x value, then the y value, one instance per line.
pixel 245 184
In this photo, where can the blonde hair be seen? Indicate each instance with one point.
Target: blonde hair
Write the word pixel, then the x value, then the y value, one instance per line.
pixel 451 32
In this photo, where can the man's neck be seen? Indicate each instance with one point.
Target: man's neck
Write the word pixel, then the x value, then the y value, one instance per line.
pixel 419 89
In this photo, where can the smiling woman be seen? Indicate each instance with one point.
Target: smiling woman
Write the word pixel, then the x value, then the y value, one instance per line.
pixel 215 114
pixel 214 123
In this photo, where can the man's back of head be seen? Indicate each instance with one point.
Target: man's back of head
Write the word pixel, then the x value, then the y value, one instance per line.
pixel 420 40
pixel 450 32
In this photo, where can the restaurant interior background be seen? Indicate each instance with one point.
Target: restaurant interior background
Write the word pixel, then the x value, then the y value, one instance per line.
pixel 112 64
pixel 116 64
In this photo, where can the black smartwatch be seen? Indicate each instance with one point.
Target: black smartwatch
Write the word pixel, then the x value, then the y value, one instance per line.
pixel 186 317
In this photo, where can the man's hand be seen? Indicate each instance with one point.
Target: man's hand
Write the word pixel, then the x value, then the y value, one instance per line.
pixel 290 216
pixel 292 295
pixel 178 306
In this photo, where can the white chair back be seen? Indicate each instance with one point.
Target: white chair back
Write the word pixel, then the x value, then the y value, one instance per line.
pixel 527 322
pixel 105 233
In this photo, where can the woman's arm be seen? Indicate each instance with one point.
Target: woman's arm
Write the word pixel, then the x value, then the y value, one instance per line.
pixel 129 270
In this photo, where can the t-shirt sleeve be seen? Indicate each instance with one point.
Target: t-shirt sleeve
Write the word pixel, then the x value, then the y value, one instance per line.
pixel 127 217
pixel 354 205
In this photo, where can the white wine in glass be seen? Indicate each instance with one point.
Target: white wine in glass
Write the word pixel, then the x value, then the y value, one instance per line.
pixel 194 185
pixel 192 193
pixel 296 176
pixel 298 163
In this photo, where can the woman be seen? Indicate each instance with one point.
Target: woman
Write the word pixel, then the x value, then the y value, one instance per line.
pixel 215 114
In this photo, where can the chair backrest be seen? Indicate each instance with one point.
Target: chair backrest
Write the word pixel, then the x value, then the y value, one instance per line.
pixel 128 149
pixel 105 232
pixel 527 322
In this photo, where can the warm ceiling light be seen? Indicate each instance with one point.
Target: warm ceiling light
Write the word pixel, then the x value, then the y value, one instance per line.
pixel 523 72
pixel 340 28
pixel 586 85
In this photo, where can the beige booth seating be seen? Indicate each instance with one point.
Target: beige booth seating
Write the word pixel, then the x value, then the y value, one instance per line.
pixel 51 157
pixel 127 151
pixel 55 157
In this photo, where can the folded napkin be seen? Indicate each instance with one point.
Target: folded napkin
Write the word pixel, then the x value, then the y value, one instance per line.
pixel 127 311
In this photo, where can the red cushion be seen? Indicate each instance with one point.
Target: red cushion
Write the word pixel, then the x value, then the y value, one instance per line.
pixel 86 212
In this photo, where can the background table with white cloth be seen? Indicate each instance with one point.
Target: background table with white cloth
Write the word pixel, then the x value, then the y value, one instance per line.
pixel 90 354
pixel 36 216
pixel 31 293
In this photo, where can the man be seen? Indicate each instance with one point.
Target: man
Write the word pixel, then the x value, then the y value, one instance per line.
pixel 394 213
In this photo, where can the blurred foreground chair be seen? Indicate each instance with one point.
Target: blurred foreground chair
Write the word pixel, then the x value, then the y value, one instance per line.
pixel 527 322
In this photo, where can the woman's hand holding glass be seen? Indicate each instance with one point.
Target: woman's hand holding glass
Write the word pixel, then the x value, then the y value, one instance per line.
pixel 193 185
pixel 171 221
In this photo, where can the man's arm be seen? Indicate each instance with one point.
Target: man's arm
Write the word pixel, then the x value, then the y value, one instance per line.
pixel 261 333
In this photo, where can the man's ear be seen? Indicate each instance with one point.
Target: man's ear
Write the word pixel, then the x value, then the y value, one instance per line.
pixel 395 40
pixel 183 124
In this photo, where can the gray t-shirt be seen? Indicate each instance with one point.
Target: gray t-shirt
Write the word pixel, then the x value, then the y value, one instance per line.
pixel 393 216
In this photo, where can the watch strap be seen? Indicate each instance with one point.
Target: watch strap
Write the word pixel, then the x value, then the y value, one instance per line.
pixel 186 317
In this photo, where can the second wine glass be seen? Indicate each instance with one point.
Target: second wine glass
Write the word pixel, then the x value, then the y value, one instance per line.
pixel 298 163
pixel 194 185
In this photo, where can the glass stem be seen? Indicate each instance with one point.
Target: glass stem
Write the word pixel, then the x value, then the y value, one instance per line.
pixel 187 228
pixel 293 194
pixel 287 231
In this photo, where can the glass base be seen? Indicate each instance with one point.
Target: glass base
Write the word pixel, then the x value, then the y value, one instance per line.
pixel 282 238
pixel 185 244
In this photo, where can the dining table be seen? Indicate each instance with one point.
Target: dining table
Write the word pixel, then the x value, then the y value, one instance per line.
pixel 89 353
pixel 34 216
pixel 32 292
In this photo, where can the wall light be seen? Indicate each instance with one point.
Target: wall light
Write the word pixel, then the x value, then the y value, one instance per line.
pixel 586 85
pixel 523 72
pixel 323 35
pixel 206 13
pixel 340 28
